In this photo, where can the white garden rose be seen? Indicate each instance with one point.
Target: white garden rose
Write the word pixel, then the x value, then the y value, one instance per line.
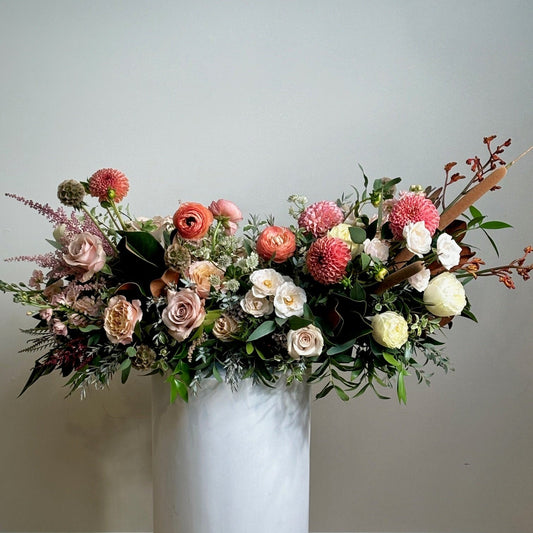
pixel 342 232
pixel 265 282
pixel 448 251
pixel 256 306
pixel 390 329
pixel 445 295
pixel 376 249
pixel 289 300
pixel 420 280
pixel 305 342
pixel 417 238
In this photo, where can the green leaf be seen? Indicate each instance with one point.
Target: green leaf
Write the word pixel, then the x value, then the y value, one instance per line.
pixel 340 348
pixel 90 327
pixel 365 261
pixel 358 235
pixel 326 390
pixel 125 367
pixel 391 360
pixel 358 293
pixel 131 351
pixel 491 240
pixel 249 348
pixel 297 322
pixel 145 246
pixel 216 374
pixel 476 213
pixel 177 387
pixel 341 394
pixel 402 393
pixel 495 224
pixel 261 331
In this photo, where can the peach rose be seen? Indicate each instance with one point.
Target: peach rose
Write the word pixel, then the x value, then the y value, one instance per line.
pixel 192 220
pixel 276 243
pixel 228 213
pixel 201 273
pixel 120 318
pixel 183 313
pixel 86 254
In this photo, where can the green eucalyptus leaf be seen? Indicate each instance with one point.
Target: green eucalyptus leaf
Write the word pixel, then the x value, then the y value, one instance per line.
pixel 358 235
pixel 262 330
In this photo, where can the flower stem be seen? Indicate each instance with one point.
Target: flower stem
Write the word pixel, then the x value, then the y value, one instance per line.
pixel 97 224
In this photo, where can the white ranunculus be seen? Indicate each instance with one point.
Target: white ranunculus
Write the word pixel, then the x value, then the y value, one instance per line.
pixel 417 237
pixel 289 300
pixel 265 282
pixel 305 342
pixel 390 329
pixel 448 251
pixel 445 295
pixel 420 280
pixel 376 249
pixel 255 306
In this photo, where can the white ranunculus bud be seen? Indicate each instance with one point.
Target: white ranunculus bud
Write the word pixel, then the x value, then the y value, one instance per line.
pixel 417 237
pixel 445 295
pixel 305 342
pixel 448 251
pixel 390 329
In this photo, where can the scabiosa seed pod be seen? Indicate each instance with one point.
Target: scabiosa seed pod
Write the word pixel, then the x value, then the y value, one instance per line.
pixel 144 358
pixel 327 260
pixel 178 257
pixel 71 193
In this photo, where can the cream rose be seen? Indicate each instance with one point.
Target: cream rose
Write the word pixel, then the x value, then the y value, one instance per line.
pixel 342 232
pixel 86 254
pixel 289 300
pixel 255 305
pixel 445 295
pixel 184 312
pixel 265 282
pixel 120 318
pixel 305 342
pixel 225 328
pixel 202 273
pixel 376 249
pixel 390 329
pixel 417 238
pixel 448 251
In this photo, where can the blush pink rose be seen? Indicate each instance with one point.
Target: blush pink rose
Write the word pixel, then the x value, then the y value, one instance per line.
pixel 228 213
pixel 276 243
pixel 120 318
pixel 86 255
pixel 183 313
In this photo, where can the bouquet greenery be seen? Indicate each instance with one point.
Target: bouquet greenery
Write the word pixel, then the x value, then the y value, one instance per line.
pixel 352 294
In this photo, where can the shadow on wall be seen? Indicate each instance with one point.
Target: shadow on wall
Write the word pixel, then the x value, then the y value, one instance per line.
pixel 71 465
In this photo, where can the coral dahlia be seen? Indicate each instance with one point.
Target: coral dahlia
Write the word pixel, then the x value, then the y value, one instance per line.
pixel 320 217
pixel 412 208
pixel 327 259
pixel 108 184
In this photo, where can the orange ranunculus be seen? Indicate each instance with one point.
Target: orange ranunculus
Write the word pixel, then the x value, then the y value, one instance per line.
pixel 192 220
pixel 276 243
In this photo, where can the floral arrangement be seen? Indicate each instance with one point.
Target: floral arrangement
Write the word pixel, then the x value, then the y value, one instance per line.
pixel 352 294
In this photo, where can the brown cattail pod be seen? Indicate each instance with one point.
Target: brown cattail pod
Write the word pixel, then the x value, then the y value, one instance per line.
pixel 399 276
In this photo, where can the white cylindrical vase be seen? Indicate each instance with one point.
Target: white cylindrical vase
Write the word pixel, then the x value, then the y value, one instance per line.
pixel 231 462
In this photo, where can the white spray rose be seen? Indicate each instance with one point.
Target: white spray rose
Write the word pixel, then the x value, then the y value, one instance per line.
pixel 256 306
pixel 265 282
pixel 390 329
pixel 448 251
pixel 377 249
pixel 289 300
pixel 305 342
pixel 420 280
pixel 417 237
pixel 445 295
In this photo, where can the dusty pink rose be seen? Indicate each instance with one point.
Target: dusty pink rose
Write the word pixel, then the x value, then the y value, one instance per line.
pixel 59 328
pixel 86 254
pixel 228 213
pixel 183 313
pixel 203 273
pixel 120 318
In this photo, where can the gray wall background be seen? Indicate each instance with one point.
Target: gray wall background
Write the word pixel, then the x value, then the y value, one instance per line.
pixel 253 101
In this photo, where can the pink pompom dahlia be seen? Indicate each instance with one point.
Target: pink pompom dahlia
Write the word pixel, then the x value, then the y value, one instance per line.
pixel 108 184
pixel 327 260
pixel 412 208
pixel 320 217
